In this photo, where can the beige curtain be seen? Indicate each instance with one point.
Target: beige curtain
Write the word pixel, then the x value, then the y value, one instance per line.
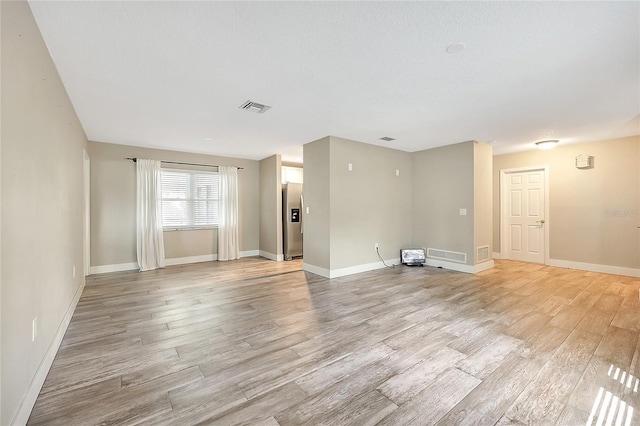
pixel 150 242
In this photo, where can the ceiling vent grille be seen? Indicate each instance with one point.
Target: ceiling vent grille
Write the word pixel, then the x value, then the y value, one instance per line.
pixel 255 107
pixel 387 139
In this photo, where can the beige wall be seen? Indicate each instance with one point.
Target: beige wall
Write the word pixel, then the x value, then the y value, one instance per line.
pixel 41 230
pixel 113 195
pixel 192 243
pixel 581 226
pixel 482 197
pixel 271 207
pixel 443 183
pixel 316 199
pixel 369 204
pixel 1 418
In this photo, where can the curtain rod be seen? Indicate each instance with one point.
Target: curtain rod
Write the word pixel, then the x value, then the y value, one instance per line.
pixel 134 159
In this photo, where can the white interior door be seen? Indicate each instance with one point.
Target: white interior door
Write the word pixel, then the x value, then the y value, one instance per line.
pixel 525 216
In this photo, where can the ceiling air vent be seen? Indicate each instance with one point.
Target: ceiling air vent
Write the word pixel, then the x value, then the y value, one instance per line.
pixel 254 107
pixel 387 139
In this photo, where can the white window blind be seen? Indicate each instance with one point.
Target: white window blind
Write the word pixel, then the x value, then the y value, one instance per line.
pixel 189 199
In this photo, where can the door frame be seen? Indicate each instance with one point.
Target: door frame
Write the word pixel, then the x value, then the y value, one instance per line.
pixel 86 213
pixel 504 208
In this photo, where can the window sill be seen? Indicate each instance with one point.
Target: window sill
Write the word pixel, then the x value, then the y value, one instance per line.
pixel 189 228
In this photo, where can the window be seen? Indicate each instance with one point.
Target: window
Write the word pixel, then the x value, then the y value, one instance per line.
pixel 189 199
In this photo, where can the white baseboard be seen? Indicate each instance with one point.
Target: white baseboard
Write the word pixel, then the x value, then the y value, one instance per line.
pixel 336 273
pixel 460 267
pixel 271 256
pixel 316 270
pixel 104 269
pixel 29 400
pixel 190 259
pixel 483 266
pixel 592 267
pixel 342 272
pixel 350 270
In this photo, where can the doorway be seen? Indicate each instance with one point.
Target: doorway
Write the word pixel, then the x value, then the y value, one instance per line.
pixel 292 211
pixel 524 214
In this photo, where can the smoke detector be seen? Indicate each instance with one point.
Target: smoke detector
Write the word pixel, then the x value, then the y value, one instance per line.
pixel 254 107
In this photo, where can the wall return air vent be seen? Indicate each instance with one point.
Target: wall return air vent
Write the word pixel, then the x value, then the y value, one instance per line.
pixel 254 107
pixel 452 256
pixel 482 253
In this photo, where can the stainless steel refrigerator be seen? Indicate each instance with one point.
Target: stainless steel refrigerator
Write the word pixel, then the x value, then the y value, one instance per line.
pixel 292 205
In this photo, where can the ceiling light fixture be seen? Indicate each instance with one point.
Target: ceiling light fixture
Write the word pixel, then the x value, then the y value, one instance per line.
pixel 456 47
pixel 548 144
pixel 254 107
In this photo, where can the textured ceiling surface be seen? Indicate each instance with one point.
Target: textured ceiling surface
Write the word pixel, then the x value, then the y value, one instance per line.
pixel 172 74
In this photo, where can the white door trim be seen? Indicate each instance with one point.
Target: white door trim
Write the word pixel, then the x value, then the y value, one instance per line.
pixel 504 208
pixel 86 232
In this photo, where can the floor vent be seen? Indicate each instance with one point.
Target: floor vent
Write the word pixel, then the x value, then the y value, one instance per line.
pixel 451 256
pixel 482 253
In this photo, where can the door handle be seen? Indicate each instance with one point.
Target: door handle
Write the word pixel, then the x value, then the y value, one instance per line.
pixel 541 222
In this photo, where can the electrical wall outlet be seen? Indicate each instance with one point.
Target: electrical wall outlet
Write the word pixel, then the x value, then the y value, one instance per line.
pixel 376 246
pixel 74 272
pixel 34 329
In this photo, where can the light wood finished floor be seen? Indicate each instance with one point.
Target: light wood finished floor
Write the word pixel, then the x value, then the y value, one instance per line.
pixel 260 342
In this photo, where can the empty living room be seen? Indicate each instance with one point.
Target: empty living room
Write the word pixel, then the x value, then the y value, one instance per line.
pixel 319 213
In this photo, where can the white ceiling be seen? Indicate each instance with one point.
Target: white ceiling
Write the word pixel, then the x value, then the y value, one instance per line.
pixel 169 74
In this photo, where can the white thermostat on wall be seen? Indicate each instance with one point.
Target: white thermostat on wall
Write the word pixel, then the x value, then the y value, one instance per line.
pixel 584 161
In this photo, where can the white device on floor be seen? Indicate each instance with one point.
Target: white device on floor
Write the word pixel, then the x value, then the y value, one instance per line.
pixel 413 256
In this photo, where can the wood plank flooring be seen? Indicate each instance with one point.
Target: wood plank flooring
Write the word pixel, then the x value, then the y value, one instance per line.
pixel 261 342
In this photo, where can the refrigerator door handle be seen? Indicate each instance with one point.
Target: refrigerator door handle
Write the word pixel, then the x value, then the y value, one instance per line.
pixel 302 214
